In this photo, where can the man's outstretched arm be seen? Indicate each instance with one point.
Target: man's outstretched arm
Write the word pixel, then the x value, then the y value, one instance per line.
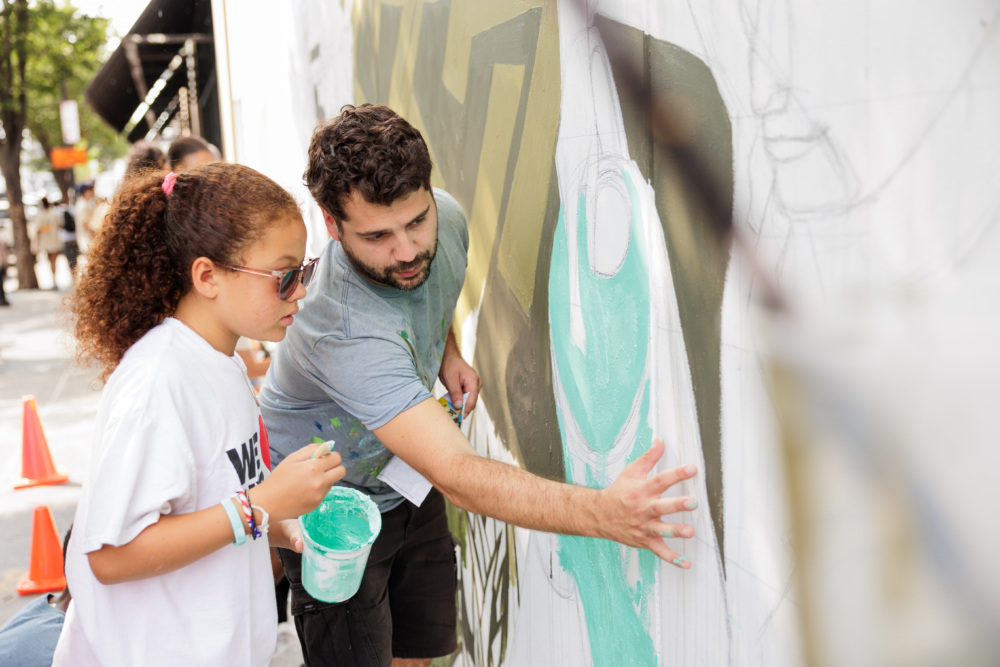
pixel 630 511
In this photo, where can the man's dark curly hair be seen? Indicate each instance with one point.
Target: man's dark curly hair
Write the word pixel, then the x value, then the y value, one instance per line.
pixel 369 149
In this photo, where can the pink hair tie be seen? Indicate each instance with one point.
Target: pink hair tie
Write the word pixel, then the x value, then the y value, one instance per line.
pixel 168 183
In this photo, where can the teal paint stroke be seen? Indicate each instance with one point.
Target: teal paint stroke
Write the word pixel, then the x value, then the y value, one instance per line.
pixel 602 380
pixel 617 628
pixel 616 611
pixel 616 584
pixel 407 338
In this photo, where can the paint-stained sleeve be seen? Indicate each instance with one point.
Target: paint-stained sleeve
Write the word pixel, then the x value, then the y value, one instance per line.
pixel 372 378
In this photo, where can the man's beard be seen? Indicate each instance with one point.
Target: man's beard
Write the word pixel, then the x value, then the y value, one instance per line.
pixel 386 276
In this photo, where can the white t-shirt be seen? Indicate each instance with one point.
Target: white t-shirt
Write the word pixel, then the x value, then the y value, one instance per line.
pixel 177 431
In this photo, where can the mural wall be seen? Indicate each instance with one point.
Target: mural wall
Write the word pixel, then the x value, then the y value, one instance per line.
pixel 602 311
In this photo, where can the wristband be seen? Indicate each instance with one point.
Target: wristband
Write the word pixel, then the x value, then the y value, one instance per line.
pixel 239 537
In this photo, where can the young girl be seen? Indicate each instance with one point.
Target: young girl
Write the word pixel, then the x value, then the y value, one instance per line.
pixel 164 565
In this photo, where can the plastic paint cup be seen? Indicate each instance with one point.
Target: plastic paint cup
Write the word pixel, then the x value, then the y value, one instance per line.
pixel 338 536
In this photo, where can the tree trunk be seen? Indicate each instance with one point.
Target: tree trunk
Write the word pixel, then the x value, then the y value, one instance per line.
pixel 13 111
pixel 63 176
pixel 10 163
pixel 64 179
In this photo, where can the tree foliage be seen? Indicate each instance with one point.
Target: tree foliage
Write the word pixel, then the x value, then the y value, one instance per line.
pixel 48 53
pixel 70 48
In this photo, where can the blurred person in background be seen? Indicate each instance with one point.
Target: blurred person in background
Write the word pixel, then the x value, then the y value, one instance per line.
pixel 48 222
pixel 6 244
pixel 186 153
pixel 83 211
pixel 67 234
pixel 143 156
pixel 97 219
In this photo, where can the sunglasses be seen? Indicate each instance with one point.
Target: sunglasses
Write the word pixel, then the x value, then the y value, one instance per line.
pixel 287 280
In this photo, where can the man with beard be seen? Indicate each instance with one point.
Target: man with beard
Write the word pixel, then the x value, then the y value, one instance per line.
pixel 359 366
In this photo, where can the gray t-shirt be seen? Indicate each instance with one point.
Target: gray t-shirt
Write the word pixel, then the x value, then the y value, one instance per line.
pixel 359 354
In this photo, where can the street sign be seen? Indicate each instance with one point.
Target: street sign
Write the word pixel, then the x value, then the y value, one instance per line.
pixel 69 115
pixel 65 157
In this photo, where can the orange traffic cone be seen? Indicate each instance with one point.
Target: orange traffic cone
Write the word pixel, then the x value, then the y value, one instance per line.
pixel 45 572
pixel 37 467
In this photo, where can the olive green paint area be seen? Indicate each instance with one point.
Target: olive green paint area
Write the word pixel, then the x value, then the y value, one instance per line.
pixel 374 74
pixel 512 335
pixel 512 352
pixel 698 260
pixel 512 347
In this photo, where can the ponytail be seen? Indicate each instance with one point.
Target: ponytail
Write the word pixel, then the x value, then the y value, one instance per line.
pixel 130 283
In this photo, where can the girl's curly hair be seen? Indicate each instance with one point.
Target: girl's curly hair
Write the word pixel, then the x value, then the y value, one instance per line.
pixel 138 267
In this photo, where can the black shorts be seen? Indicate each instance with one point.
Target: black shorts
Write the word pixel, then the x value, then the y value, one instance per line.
pixel 405 607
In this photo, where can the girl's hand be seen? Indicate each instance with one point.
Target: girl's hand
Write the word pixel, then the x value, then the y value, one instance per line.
pixel 287 535
pixel 298 484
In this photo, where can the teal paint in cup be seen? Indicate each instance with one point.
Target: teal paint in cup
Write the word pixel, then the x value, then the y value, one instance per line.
pixel 338 536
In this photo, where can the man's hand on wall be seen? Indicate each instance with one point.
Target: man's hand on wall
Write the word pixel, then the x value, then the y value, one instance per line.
pixel 637 510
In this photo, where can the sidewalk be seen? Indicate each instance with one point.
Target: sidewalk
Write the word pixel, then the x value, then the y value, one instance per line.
pixel 36 358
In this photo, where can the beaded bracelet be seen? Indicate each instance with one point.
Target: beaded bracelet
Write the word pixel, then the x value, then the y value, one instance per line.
pixel 261 528
pixel 255 530
pixel 247 512
pixel 239 536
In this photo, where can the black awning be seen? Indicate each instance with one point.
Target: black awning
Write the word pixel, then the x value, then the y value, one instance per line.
pixel 154 49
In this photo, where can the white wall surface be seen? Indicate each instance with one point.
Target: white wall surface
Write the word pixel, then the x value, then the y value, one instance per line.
pixel 866 164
